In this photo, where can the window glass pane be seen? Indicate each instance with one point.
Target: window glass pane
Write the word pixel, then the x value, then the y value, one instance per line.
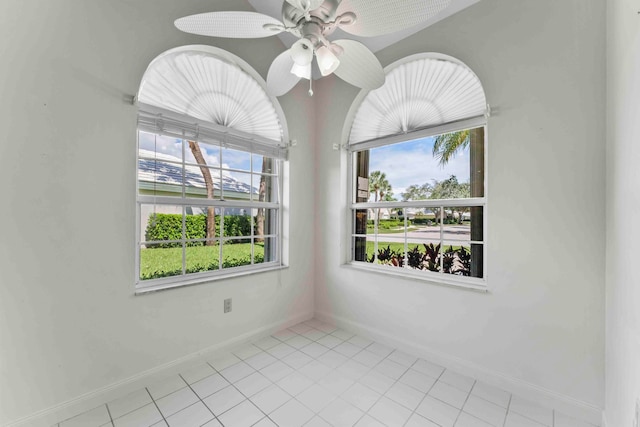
pixel 363 248
pixel 202 182
pixel 461 223
pixel 186 237
pixel 236 253
pixel 158 261
pixel 160 224
pixel 265 222
pixel 456 224
pixel 167 148
pixel 428 168
pixel 161 232
pixel 202 153
pixel 463 260
pixel 200 223
pixel 265 250
pixel 159 165
pixel 264 188
pixel 359 246
pixel 263 164
pixel 237 222
pixel 202 256
pixel 390 252
pixel 237 160
pixel 425 244
pixel 237 185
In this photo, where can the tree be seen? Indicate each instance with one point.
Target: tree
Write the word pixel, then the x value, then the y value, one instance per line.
pixel 450 188
pixel 265 188
pixel 417 192
pixel 447 145
pixel 379 185
pixel 208 182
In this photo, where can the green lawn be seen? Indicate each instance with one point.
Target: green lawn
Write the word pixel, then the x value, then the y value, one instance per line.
pixel 163 262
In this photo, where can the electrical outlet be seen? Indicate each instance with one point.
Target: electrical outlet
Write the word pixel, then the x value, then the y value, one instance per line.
pixel 227 305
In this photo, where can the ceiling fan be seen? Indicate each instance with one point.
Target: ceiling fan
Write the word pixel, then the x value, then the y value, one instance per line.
pixel 313 21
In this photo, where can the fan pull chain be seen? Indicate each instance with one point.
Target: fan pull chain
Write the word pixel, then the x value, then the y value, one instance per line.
pixel 310 86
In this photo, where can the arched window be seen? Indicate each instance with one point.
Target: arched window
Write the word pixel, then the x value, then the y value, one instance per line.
pixel 210 155
pixel 418 196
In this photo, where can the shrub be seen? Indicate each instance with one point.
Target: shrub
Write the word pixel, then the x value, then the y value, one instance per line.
pixel 386 224
pixel 421 221
pixel 454 261
pixel 198 268
pixel 169 227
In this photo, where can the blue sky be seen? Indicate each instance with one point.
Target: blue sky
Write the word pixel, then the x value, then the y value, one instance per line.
pixel 411 162
pixel 404 164
pixel 231 158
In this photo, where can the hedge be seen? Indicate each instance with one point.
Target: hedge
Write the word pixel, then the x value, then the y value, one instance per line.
pixel 386 224
pixel 227 263
pixel 169 227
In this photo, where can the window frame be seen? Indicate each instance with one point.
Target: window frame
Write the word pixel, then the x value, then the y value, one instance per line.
pixel 441 278
pixel 158 121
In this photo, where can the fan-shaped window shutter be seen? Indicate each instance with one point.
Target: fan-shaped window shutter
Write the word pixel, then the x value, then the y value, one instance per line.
pixel 210 171
pixel 419 93
pixel 212 87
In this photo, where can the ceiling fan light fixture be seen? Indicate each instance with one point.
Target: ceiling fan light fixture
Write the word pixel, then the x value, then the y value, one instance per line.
pixel 312 22
pixel 328 62
pixel 302 52
pixel 302 71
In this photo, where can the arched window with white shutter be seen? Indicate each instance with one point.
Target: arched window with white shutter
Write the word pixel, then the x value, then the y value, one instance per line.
pixel 418 190
pixel 211 147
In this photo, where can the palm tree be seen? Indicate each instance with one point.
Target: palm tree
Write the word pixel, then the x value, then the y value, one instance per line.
pixel 445 148
pixel 447 145
pixel 379 185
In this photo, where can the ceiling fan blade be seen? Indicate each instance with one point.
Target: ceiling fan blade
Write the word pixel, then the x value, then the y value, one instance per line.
pixel 305 5
pixel 280 79
pixel 378 17
pixel 359 66
pixel 238 25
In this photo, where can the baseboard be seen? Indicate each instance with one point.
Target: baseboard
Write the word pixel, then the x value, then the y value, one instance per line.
pixel 85 402
pixel 565 404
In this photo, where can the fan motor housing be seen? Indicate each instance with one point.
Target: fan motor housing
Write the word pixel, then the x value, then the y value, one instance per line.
pixel 294 17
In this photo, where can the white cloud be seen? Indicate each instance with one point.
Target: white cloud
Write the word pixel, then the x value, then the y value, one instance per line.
pixel 416 167
pixel 173 147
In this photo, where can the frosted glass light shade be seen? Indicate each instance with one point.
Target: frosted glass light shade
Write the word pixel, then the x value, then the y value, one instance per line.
pixel 210 87
pixel 327 61
pixel 302 52
pixel 302 71
pixel 419 93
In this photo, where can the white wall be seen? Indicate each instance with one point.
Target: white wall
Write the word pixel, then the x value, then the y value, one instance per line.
pixel 623 205
pixel 542 64
pixel 69 322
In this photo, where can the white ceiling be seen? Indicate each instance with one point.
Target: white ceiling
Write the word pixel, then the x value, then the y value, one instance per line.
pixel 274 8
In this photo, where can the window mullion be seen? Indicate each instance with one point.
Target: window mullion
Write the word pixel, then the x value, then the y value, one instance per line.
pixel 221 238
pixel 406 238
pixel 376 213
pixel 184 240
pixel 441 261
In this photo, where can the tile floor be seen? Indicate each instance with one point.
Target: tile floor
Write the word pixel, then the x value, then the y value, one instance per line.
pixel 315 375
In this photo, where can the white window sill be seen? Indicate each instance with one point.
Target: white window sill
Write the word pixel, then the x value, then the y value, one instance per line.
pixel 467 283
pixel 154 285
